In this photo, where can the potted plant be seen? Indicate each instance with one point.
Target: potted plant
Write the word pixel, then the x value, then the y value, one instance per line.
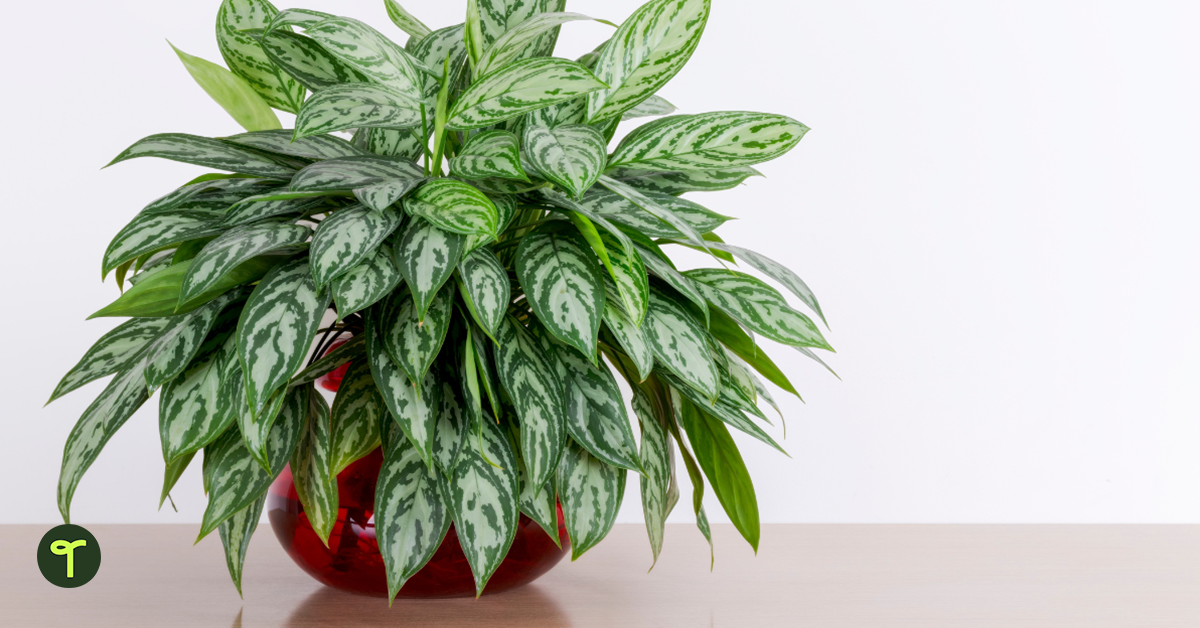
pixel 487 265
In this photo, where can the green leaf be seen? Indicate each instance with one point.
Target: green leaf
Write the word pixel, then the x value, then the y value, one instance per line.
pixel 120 399
pixel 353 348
pixel 276 329
pixel 506 208
pixel 591 492
pixel 230 91
pixel 410 518
pixel 568 112
pixel 426 257
pixel 451 427
pixel 246 58
pixel 520 39
pixel 757 306
pixel 376 181
pixel 357 412
pixel 190 415
pixel 473 32
pixel 718 140
pixel 255 427
pixel 405 143
pixel 485 288
pixel 563 285
pixel 630 279
pixel 280 141
pixel 658 467
pixel 539 503
pixel 724 411
pixel 147 233
pixel 114 351
pixel 723 465
pixel 171 475
pixel 596 417
pixel 207 152
pixel 633 341
pixel 256 208
pixel 649 49
pixel 355 105
pixel 175 348
pixel 365 284
pixel 412 343
pixel 158 294
pixel 347 238
pixel 211 192
pixel 316 484
pixel 233 248
pixel 405 20
pixel 519 88
pixel 306 61
pixel 369 52
pixel 530 380
pixel 483 501
pixel 727 331
pixel 650 206
pixel 415 413
pixel 235 479
pixel 489 154
pixel 665 271
pixel 676 183
pixel 776 271
pixel 652 106
pixel 454 206
pixel 571 156
pixel 235 537
pixel 681 345
pixel 619 209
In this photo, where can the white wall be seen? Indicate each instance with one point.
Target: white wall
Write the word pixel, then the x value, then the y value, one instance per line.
pixel 997 206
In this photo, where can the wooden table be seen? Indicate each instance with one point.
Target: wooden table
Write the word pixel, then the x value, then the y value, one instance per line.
pixel 825 576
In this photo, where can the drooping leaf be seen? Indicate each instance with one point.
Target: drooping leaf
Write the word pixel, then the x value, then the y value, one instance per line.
pixel 415 413
pixel 539 503
pixel 531 381
pixel 405 20
pixel 235 537
pixel 590 491
pixel 347 238
pixel 311 465
pixel 114 351
pixel 632 340
pixel 658 467
pixel 519 88
pixel 722 410
pixel 171 475
pixel 680 344
pixel 413 343
pixel 485 288
pixel 376 181
pixel 519 39
pixel 426 257
pixel 776 271
pixel 662 269
pixel 207 152
pixel 280 141
pixel 230 91
pixel 255 427
pixel 572 155
pixel 729 333
pixel 717 140
pixel 653 208
pixel 451 425
pixel 355 105
pixel 679 182
pixel 757 306
pixel 596 417
pixel 190 414
pixel 353 348
pixel 175 347
pixel 629 278
pixel 489 154
pixel 276 328
pixel 233 248
pixel 619 209
pixel 366 283
pixel 246 58
pixel 454 206
pixel 150 232
pixel 355 418
pixel 649 48
pixel 563 284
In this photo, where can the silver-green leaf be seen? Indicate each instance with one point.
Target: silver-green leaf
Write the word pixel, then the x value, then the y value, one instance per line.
pixel 716 140
pixel 416 414
pixel 596 417
pixel 235 537
pixel 426 257
pixel 207 152
pixel 493 153
pixel 485 288
pixel 454 206
pixel 590 491
pixel 365 284
pixel 232 248
pixel 355 418
pixel 563 284
pixel 413 343
pixel 519 88
pixel 347 238
pixel 532 383
pixel 355 105
pixel 681 344
pixel 757 306
pixel 571 156
pixel 312 472
pixel 247 59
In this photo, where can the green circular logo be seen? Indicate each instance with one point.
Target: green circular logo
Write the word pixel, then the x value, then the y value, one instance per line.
pixel 69 556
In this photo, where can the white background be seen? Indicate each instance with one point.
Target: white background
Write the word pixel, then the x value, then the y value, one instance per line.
pixel 997 206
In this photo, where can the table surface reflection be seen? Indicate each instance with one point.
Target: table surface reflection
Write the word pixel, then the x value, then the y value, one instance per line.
pixel 804 575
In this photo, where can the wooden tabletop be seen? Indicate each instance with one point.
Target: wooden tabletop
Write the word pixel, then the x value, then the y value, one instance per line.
pixel 805 575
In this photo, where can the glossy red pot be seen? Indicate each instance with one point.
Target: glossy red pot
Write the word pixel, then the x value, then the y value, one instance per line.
pixel 352 561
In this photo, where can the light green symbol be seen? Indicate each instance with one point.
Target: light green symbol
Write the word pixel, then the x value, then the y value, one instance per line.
pixel 63 548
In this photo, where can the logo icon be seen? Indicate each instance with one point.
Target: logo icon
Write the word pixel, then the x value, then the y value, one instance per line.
pixel 69 556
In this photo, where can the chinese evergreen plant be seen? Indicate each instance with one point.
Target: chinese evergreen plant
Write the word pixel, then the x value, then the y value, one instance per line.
pixel 491 259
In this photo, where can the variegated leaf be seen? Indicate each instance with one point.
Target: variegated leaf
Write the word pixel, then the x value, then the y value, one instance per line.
pixel 207 152
pixel 520 38
pixel 681 345
pixel 776 271
pixel 235 479
pixel 632 339
pixel 630 277
pixel 415 413
pixel 717 140
pixel 115 351
pixel 495 186
pixel 311 465
pixel 519 88
pixel 649 48
pixel 489 154
pixel 347 238
pixel 412 343
pixel 572 155
pixel 506 208
pixel 497 17
pixel 563 284
pixel 232 248
pixel 120 399
pixel 171 352
pixel 652 106
pixel 663 270
pixel 757 306
pixel 531 381
pixel 483 500
pixel 355 418
pixel 724 411
pixel 190 414
pixel 650 206
pixel 451 427
pixel 369 52
pixel 305 60
pixel 353 348
pixel 484 370
pixel 403 143
pixel 276 328
pixel 210 194
pixel 235 537
pixel 256 208
pixel 405 20
pixel 355 105
pixel 617 208
pixel 280 141
pixel 454 206
pixel 569 112
pixel 658 467
pixel 256 427
pixel 591 492
pixel 539 503
pixel 247 59
pixel 485 288
pixel 410 518
pixel 727 330
pixel 233 93
pixel 376 181
pixel 433 49
pixel 426 257
pixel 676 183
pixel 596 417
pixel 150 232
pixel 365 284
